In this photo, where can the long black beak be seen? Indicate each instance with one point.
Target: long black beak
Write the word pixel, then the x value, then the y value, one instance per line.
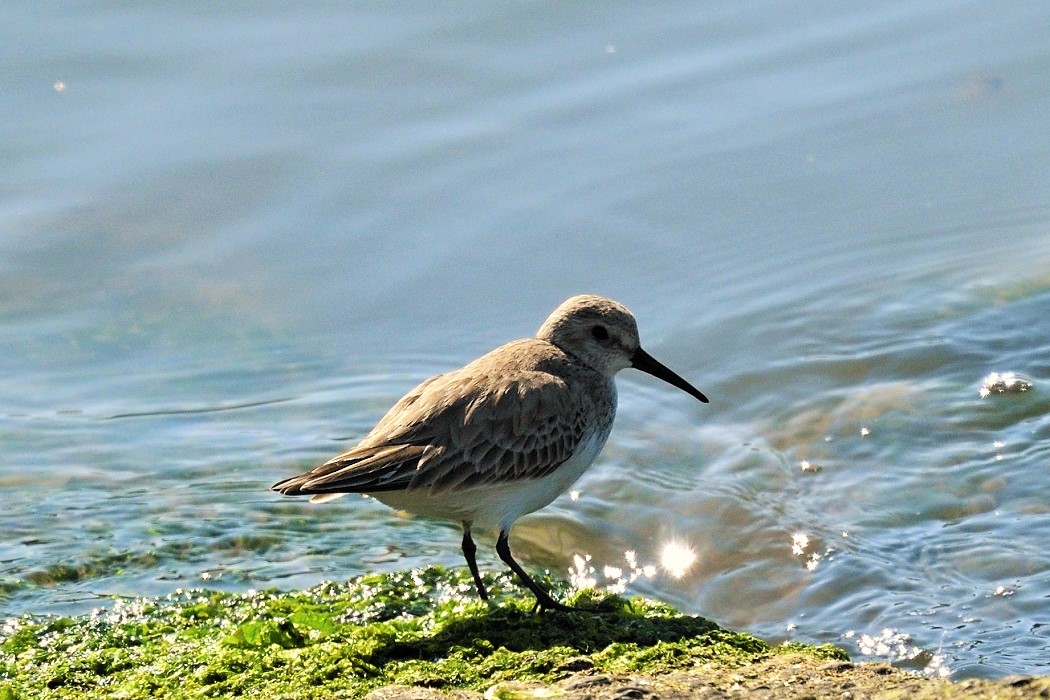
pixel 648 364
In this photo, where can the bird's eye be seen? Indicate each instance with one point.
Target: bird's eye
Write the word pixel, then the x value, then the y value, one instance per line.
pixel 600 333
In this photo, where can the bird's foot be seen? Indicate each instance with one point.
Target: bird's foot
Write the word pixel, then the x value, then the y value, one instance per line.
pixel 544 602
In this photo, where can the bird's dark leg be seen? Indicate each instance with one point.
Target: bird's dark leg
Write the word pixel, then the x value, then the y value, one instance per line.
pixel 543 598
pixel 469 550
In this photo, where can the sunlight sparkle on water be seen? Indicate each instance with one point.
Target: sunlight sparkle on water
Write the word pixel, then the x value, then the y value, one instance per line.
pixel 800 543
pixel 583 573
pixel 896 647
pixel 677 558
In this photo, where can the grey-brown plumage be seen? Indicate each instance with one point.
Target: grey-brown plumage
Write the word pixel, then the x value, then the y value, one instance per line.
pixel 502 436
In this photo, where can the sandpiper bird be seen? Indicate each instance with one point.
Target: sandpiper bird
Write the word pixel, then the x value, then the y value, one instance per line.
pixel 501 437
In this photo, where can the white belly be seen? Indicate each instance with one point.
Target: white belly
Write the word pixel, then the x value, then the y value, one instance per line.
pixel 498 505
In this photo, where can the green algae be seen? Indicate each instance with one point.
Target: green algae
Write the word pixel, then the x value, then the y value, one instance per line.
pixel 421 628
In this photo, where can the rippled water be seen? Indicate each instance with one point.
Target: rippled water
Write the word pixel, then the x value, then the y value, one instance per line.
pixel 231 237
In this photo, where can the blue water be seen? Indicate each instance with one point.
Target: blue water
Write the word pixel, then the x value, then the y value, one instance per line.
pixel 232 236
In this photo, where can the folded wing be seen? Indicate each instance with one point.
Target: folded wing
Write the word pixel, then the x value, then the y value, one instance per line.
pixel 459 430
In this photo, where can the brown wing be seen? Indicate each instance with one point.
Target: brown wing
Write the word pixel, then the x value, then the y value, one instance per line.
pixel 464 428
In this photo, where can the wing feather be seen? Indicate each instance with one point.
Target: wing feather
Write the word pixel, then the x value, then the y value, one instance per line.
pixel 477 425
pixel 525 431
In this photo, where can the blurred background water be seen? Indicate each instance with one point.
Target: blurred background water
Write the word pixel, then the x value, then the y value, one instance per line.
pixel 232 235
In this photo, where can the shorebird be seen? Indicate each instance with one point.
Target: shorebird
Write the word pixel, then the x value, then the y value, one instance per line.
pixel 501 437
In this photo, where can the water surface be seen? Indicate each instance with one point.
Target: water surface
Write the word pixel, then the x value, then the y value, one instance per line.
pixel 231 237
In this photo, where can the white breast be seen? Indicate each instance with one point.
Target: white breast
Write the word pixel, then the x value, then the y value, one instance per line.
pixel 499 505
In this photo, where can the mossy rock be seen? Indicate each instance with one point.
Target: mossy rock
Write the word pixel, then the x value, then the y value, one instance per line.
pixel 413 632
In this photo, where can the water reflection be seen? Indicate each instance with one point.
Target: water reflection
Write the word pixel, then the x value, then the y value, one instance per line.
pixel 896 647
pixel 677 558
pixel 583 574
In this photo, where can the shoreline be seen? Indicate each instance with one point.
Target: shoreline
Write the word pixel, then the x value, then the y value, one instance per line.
pixel 423 635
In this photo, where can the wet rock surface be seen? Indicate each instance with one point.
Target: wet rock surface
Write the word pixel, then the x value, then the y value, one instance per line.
pixel 783 676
